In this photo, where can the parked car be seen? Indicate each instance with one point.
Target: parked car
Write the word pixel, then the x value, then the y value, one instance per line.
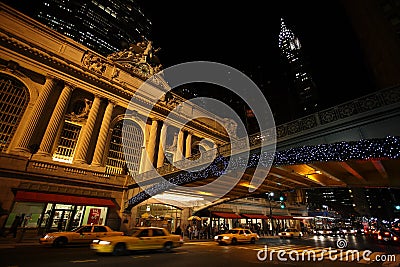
pixel 290 233
pixel 236 235
pixel 84 234
pixel 140 238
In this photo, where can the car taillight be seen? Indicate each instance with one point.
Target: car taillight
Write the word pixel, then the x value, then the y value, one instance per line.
pixel 387 233
pixel 379 237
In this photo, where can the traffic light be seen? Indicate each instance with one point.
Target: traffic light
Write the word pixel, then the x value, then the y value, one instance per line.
pixel 282 197
pixel 283 205
pixel 397 207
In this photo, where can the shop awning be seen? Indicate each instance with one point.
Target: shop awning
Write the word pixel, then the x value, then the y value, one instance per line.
pixel 255 216
pixel 227 215
pixel 64 199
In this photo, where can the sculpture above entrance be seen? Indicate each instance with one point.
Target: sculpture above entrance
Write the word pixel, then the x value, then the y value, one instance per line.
pixel 139 58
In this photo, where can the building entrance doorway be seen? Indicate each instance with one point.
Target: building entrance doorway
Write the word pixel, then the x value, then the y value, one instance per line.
pixel 61 217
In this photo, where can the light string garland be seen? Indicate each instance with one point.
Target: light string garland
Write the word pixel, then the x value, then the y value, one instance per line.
pixel 366 149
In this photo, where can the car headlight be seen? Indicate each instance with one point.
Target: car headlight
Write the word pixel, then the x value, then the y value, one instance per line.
pixel 49 237
pixel 226 237
pixel 95 241
pixel 216 237
pixel 104 242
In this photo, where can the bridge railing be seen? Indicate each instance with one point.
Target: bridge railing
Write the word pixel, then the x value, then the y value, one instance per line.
pixel 335 114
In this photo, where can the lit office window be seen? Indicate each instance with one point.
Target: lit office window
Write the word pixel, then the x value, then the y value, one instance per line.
pixel 66 146
pixel 14 98
pixel 132 146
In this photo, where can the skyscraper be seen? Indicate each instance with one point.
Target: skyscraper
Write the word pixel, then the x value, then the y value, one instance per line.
pixel 104 26
pixel 337 199
pixel 301 80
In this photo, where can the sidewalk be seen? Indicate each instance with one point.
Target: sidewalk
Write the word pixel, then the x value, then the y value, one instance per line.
pixel 23 239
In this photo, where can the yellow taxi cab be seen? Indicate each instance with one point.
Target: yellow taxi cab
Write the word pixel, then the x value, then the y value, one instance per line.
pixel 290 233
pixel 84 234
pixel 236 235
pixel 140 238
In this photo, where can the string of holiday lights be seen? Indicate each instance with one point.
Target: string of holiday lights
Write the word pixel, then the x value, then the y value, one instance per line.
pixel 386 148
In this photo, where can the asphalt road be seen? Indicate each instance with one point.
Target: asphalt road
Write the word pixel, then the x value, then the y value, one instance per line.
pixel 210 254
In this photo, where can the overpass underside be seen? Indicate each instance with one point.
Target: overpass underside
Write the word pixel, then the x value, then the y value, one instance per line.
pixel 365 163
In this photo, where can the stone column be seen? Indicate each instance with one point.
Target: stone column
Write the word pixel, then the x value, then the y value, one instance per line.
pixel 55 122
pixel 188 151
pixel 87 131
pixel 36 115
pixel 179 147
pixel 102 139
pixel 151 145
pixel 161 145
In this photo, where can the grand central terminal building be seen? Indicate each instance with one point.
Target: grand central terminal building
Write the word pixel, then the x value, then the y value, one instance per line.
pixel 63 114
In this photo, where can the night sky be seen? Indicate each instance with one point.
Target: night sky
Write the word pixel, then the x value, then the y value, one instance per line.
pixel 244 35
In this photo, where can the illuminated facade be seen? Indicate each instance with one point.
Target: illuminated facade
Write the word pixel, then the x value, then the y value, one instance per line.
pixel 302 82
pixel 63 109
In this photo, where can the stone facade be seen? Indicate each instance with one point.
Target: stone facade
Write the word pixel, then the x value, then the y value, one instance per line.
pixel 64 110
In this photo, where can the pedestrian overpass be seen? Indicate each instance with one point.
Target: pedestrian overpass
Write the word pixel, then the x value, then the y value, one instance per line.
pixel 355 144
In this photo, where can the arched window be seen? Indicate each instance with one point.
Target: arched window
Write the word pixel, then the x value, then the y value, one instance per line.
pixel 132 146
pixel 14 98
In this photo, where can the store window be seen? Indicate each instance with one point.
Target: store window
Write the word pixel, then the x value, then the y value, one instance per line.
pixel 52 217
pixel 29 212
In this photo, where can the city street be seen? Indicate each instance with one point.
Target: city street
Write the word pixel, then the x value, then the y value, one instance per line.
pixel 208 253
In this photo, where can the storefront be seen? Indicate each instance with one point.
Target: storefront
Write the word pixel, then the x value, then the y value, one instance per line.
pixel 222 221
pixel 256 222
pixel 159 215
pixel 56 212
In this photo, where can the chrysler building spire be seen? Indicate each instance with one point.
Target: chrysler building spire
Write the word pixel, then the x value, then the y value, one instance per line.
pixel 302 82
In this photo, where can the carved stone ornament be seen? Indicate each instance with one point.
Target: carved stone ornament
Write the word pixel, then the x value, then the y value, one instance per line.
pixel 83 115
pixel 94 63
pixel 170 100
pixel 139 58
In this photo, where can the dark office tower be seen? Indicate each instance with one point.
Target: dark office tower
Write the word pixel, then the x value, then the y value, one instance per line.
pixel 377 25
pixel 105 26
pixel 301 80
pixel 339 200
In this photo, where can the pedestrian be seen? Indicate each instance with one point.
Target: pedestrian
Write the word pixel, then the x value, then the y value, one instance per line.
pixel 14 226
pixel 178 230
pixel 189 231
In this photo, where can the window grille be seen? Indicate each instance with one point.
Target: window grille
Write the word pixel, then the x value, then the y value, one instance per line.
pixel 14 98
pixel 67 143
pixel 133 141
